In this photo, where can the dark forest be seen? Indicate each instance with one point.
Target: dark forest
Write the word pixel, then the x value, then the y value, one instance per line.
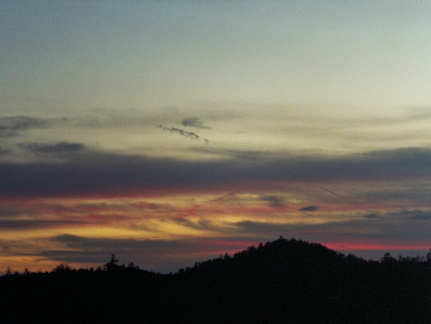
pixel 284 281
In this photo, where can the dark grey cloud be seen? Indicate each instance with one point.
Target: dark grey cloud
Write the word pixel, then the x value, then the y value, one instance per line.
pixel 13 126
pixel 96 173
pixel 309 208
pixel 262 228
pixel 418 191
pixel 11 217
pixel 401 215
pixel 202 224
pixel 67 256
pixel 57 148
pixel 30 224
pixel 160 255
pixel 8 211
pixel 95 119
pixel 273 201
pixel 183 132
pixel 4 151
pixel 79 242
pixel 180 131
pixel 422 216
pixel 193 122
pixel 417 214
pixel 372 216
pixel 388 230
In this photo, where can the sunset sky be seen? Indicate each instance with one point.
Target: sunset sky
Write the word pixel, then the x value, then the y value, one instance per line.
pixel 169 132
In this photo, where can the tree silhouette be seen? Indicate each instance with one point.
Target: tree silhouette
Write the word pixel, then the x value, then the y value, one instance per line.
pixel 62 268
pixel 278 282
pixel 112 265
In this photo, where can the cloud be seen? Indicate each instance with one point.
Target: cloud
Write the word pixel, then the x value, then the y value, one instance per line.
pixel 372 216
pixel 31 224
pixel 262 229
pixel 98 173
pixel 4 151
pixel 12 126
pixel 193 122
pixel 417 214
pixel 273 201
pixel 309 208
pixel 417 191
pixel 60 147
pixel 145 246
pixel 182 132
pixel 8 211
pixel 422 216
pixel 202 224
pixel 388 230
pixel 401 215
pixel 148 253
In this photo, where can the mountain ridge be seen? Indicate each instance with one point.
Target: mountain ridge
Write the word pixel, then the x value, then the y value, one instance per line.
pixel 281 281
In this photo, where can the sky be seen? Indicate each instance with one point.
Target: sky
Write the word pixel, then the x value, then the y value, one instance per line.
pixel 172 132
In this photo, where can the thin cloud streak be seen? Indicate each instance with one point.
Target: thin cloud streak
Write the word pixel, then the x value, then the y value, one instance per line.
pixel 309 208
pixel 150 253
pixel 57 148
pixel 15 125
pixel 182 132
pixel 193 122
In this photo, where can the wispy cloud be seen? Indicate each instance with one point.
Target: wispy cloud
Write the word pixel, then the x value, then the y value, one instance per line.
pixel 309 208
pixel 20 224
pixel 148 253
pixel 372 216
pixel 273 201
pixel 60 147
pixel 4 151
pixel 415 214
pixel 193 122
pixel 182 132
pixel 13 126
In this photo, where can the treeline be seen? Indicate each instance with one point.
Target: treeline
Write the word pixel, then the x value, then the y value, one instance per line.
pixel 285 281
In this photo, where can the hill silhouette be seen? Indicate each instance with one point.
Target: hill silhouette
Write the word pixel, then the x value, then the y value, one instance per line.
pixel 284 281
